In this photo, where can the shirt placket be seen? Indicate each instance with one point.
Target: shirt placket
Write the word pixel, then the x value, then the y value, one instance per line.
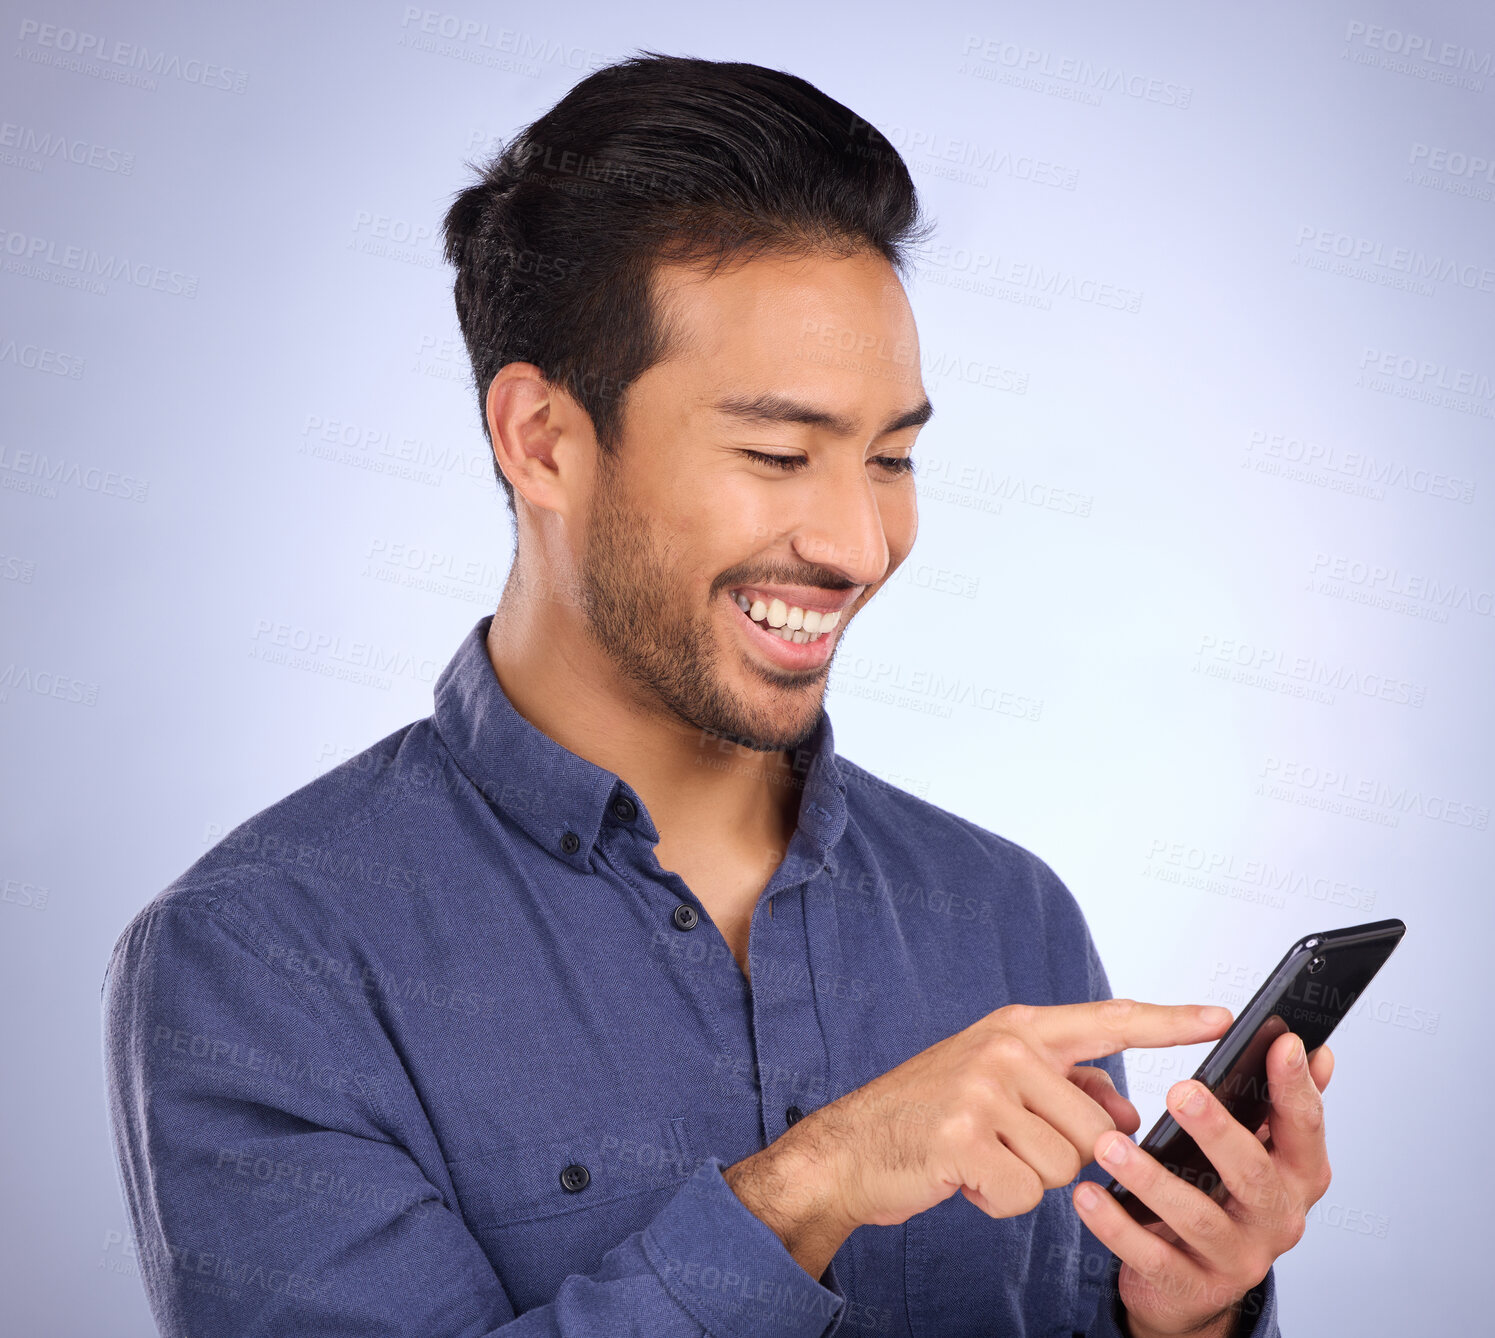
pixel 789 1048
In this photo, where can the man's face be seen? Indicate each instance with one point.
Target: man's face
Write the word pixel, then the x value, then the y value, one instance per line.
pixel 688 524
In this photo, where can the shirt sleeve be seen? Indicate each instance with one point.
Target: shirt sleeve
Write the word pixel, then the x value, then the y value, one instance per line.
pixel 1258 1307
pixel 272 1190
pixel 1258 1312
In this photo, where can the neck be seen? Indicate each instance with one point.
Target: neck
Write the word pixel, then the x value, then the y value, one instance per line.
pixel 700 789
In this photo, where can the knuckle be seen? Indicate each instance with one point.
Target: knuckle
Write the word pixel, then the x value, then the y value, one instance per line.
pixel 1206 1224
pixel 1322 1181
pixel 1259 1185
pixel 959 1128
pixel 1066 1166
pixel 1296 1225
pixel 1029 1189
pixel 1017 1014
pixel 1257 1265
pixel 1152 1261
pixel 1115 1014
pixel 1007 1048
pixel 1311 1117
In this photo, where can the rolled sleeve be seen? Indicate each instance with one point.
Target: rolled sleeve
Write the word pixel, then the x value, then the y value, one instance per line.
pixel 730 1271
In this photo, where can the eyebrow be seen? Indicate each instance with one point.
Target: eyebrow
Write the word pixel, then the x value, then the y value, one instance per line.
pixel 771 408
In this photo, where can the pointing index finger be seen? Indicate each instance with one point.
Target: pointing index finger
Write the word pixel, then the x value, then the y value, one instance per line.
pixel 1073 1032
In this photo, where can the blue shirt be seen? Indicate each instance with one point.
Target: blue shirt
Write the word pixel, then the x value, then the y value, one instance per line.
pixel 434 1042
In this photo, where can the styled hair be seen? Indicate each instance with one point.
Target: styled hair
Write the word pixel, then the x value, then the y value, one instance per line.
pixel 656 159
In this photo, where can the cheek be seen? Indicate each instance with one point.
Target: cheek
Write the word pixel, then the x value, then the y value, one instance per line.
pixel 900 523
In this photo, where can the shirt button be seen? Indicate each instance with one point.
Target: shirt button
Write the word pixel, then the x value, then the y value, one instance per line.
pixel 570 843
pixel 624 808
pixel 574 1178
pixel 685 916
pixel 794 1115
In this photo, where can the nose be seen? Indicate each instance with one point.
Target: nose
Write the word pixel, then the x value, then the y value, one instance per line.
pixel 842 526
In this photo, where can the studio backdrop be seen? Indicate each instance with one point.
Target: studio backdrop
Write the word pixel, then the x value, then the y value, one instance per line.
pixel 1202 608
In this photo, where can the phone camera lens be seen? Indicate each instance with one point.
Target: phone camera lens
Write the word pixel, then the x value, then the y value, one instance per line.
pixel 1315 966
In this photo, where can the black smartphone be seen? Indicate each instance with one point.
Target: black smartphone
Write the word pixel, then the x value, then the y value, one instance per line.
pixel 1312 988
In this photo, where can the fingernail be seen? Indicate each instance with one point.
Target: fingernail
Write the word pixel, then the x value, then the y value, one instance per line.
pixel 1115 1151
pixel 1295 1060
pixel 1193 1101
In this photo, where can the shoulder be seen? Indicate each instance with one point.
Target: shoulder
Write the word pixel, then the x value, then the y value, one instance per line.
pixel 934 858
pixel 346 839
pixel 901 823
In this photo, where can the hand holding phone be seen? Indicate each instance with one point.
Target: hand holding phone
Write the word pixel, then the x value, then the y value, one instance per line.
pixel 1309 992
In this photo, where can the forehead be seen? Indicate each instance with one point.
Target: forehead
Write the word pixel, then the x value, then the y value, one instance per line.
pixel 839 324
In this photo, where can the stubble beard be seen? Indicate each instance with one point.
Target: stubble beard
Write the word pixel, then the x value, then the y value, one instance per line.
pixel 668 650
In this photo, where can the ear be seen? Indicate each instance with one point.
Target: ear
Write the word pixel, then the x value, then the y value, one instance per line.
pixel 533 426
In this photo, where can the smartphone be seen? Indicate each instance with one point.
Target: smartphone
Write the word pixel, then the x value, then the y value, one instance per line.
pixel 1311 989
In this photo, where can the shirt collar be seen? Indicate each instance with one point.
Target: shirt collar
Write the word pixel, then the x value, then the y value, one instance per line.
pixel 549 791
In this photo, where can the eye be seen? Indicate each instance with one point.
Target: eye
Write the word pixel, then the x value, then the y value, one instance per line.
pixel 788 463
pixel 894 464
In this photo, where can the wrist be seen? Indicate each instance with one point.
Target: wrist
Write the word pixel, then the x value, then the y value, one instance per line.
pixel 797 1194
pixel 1224 1324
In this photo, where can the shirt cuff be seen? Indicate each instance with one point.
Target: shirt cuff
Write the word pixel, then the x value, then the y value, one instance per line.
pixel 1258 1317
pixel 728 1269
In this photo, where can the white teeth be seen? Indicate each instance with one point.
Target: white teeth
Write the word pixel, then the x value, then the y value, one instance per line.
pixel 786 621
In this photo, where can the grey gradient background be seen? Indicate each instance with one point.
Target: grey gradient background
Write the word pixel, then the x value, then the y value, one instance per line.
pixel 1201 608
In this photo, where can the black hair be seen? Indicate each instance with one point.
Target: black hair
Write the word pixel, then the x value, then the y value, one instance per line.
pixel 656 159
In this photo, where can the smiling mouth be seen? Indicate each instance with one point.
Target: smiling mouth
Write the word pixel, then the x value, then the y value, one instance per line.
pixel 789 622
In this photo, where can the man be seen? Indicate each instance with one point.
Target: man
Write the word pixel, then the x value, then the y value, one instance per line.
pixel 608 999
